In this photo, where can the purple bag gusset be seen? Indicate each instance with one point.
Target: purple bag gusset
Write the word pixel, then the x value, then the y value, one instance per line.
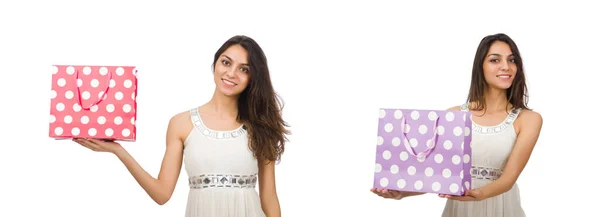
pixel 426 151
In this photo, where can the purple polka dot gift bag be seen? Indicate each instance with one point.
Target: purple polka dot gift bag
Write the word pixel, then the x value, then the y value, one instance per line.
pixel 426 151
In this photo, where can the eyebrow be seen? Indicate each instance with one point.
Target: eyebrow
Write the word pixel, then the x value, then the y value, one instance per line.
pixel 495 54
pixel 229 58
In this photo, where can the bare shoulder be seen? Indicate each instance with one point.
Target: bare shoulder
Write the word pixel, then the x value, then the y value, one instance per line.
pixel 529 121
pixel 180 124
pixel 455 108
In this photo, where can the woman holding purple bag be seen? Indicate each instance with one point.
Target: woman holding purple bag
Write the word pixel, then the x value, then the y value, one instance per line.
pixel 504 133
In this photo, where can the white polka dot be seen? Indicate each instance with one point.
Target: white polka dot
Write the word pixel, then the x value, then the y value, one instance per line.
pixel 69 94
pixel 430 143
pixel 381 113
pixel 403 156
pixel 108 132
pixel 79 82
pixel 429 171
pixel 60 106
pixel 401 183
pixel 58 131
pixel 421 158
pixel 378 168
pixel 432 116
pixel 87 70
pixel 132 121
pixel 406 128
pixel 396 141
pixel 61 82
pixel 85 95
pixel 120 71
pixel 394 169
pixel 101 120
pixel 468 185
pixel 101 95
pixel 418 185
pixel 462 174
pixel 398 114
pixel 453 188
pixel 133 96
pixel 118 95
pixel 386 154
pixel 422 129
pixel 52 119
pixel 54 70
pixel 128 84
pixel 383 182
pixel 467 131
pixel 92 131
pixel 436 186
pixel 462 145
pixel 379 139
pixel 446 173
pixel 110 108
pixel 134 71
pixel 414 115
pixel 439 158
pixel 456 159
pixel 414 142
pixel 388 127
pixel 70 70
pixel 450 116
pixel 103 71
pixel 118 120
pixel 112 83
pixel 448 144
pixel 411 170
pixel 466 158
pixel 94 108
pixel 94 83
pixel 441 130
pixel 75 131
pixel 457 131
pixel 53 94
pixel 68 119
pixel 84 119
pixel 464 117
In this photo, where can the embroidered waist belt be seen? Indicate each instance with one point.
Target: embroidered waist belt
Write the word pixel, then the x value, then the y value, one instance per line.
pixel 488 173
pixel 222 181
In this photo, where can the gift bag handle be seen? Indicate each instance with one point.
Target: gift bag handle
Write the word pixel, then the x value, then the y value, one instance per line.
pixel 411 150
pixel 79 91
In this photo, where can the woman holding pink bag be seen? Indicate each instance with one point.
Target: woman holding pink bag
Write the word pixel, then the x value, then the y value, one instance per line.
pixel 504 133
pixel 229 144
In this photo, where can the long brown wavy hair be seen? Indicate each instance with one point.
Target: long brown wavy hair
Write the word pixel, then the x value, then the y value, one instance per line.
pixel 517 93
pixel 259 106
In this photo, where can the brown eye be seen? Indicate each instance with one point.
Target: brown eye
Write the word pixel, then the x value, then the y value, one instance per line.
pixel 245 70
pixel 225 62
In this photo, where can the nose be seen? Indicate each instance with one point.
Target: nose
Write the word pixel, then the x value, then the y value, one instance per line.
pixel 505 65
pixel 230 72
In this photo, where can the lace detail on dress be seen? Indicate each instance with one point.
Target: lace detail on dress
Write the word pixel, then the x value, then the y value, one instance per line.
pixel 215 134
pixel 512 115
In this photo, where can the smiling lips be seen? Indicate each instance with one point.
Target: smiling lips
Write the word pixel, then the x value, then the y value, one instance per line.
pixel 504 76
pixel 228 82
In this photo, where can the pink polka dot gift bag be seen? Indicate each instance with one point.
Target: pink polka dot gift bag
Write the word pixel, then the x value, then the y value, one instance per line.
pixel 426 151
pixel 93 102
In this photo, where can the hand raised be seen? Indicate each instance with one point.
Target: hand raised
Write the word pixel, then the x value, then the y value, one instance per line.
pixel 99 145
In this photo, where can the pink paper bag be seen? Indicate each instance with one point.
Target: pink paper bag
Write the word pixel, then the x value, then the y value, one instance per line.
pixel 93 102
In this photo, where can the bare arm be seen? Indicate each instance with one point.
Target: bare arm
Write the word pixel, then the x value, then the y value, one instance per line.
pixel 160 189
pixel 531 125
pixel 268 191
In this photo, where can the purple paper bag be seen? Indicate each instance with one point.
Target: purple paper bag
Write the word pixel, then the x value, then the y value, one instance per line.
pixel 425 151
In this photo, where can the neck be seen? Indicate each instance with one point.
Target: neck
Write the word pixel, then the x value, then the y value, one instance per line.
pixel 495 99
pixel 224 105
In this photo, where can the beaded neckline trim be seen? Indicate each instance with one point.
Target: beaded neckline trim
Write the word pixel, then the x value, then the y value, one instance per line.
pixel 508 121
pixel 215 134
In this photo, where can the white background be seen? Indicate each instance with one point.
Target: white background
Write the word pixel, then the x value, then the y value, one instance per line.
pixel 334 64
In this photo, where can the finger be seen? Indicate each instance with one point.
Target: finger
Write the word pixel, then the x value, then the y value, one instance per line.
pixel 89 144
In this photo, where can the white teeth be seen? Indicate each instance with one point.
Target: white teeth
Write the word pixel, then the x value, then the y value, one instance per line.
pixel 228 82
pixel 504 76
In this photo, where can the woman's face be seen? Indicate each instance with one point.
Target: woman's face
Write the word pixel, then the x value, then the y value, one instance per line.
pixel 232 71
pixel 499 67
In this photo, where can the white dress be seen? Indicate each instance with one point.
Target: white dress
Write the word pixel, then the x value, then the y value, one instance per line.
pixel 222 172
pixel 491 147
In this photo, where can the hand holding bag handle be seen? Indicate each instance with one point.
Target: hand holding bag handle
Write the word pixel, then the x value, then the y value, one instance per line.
pixel 426 152
pixel 79 91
